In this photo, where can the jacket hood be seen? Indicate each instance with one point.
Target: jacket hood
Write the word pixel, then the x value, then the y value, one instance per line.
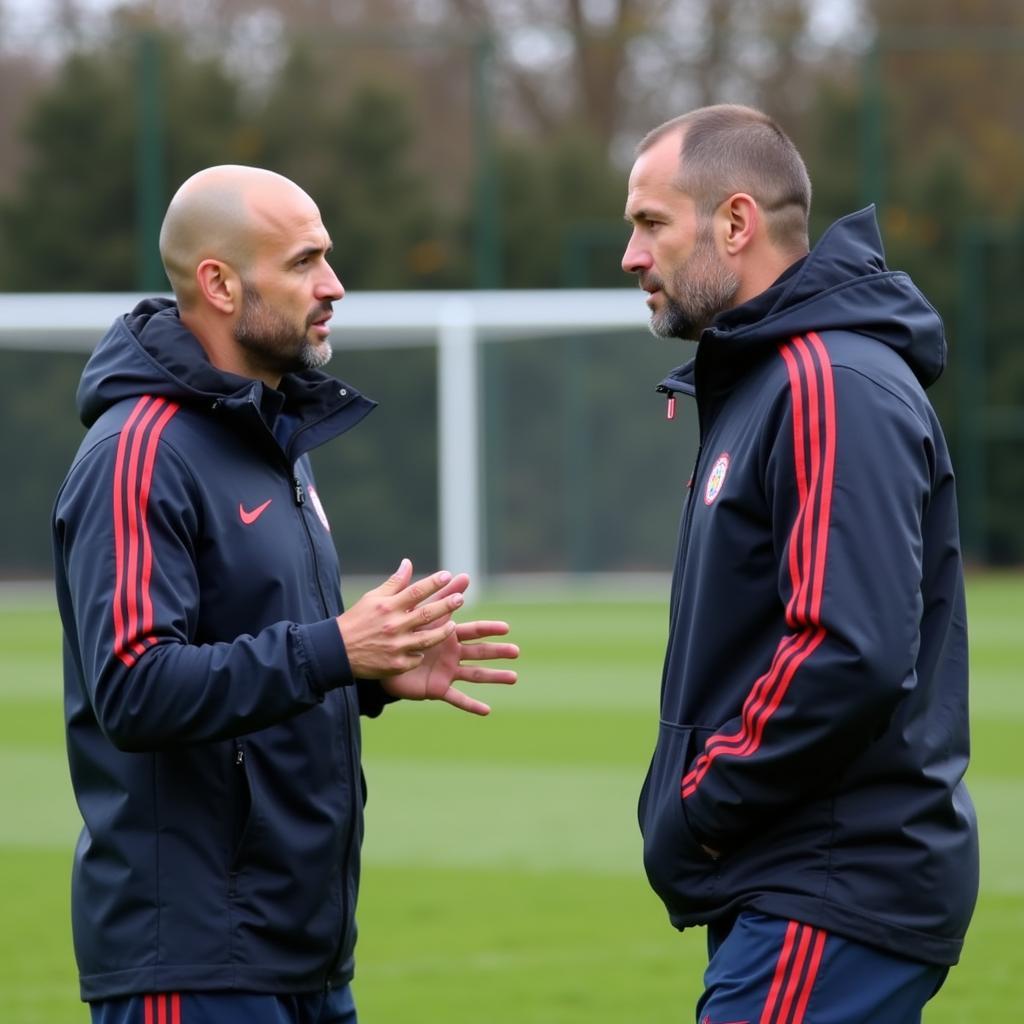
pixel 844 284
pixel 841 284
pixel 149 351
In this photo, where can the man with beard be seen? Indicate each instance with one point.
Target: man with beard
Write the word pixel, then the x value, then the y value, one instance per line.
pixel 213 680
pixel 805 799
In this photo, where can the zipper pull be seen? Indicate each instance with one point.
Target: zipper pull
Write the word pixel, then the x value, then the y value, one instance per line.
pixel 300 494
pixel 239 756
pixel 670 408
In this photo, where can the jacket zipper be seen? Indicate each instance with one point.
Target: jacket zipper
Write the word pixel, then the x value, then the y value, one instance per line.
pixel 299 493
pixel 354 769
pixel 299 496
pixel 239 766
pixel 684 537
pixel 670 404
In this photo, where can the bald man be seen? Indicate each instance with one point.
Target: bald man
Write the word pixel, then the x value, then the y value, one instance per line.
pixel 213 681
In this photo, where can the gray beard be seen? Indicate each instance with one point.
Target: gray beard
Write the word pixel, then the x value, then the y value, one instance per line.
pixel 275 343
pixel 703 286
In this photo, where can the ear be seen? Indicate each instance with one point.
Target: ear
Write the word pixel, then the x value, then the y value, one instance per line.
pixel 219 285
pixel 742 222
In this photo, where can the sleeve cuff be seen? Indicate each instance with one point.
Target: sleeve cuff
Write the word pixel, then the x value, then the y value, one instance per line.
pixel 327 657
pixel 372 698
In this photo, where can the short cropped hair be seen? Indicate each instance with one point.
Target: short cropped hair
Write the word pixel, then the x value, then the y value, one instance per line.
pixel 729 148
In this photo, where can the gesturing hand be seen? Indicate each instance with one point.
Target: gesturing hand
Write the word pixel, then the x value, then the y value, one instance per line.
pixel 388 630
pixel 444 663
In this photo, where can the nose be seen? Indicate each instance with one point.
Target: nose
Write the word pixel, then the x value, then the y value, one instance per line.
pixel 636 258
pixel 329 287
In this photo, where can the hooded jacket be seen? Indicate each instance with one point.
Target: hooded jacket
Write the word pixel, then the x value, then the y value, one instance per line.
pixel 212 718
pixel 814 725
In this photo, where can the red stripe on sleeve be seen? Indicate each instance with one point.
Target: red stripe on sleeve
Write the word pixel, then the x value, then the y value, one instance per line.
pixel 798 608
pixel 828 471
pixel 119 529
pixel 796 567
pixel 161 1009
pixel 753 706
pixel 148 1009
pixel 176 1008
pixel 132 500
pixel 133 555
pixel 790 655
pixel 147 547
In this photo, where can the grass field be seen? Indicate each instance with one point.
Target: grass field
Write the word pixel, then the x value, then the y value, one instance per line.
pixel 502 878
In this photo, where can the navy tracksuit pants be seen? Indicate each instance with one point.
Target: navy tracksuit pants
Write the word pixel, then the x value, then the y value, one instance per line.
pixel 334 1007
pixel 765 970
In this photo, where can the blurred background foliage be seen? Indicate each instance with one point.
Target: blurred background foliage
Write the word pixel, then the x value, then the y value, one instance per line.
pixel 469 143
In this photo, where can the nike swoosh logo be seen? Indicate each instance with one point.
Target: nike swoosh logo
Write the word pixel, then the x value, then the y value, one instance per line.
pixel 250 517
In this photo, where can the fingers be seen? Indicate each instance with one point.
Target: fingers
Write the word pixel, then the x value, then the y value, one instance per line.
pixel 431 611
pixel 464 702
pixel 488 652
pixel 458 585
pixel 399 579
pixel 408 594
pixel 482 674
pixel 419 591
pixel 409 597
pixel 478 629
pixel 485 652
pixel 423 639
pixel 388 630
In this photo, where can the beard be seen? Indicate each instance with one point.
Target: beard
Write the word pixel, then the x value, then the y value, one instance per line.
pixel 702 288
pixel 275 343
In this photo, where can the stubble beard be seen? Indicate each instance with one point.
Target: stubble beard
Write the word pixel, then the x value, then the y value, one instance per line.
pixel 702 288
pixel 274 342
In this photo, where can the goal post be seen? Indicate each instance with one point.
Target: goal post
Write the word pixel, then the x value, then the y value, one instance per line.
pixel 456 324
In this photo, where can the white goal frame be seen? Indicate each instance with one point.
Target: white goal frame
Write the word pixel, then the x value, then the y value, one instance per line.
pixel 455 322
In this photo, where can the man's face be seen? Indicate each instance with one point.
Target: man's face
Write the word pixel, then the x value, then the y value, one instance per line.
pixel 672 249
pixel 288 292
pixel 278 343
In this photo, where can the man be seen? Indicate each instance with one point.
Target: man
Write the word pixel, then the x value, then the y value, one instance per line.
pixel 805 798
pixel 213 683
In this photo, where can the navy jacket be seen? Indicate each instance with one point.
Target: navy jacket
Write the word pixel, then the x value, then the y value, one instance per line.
pixel 212 718
pixel 814 725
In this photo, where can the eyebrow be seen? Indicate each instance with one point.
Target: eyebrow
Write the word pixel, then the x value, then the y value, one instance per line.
pixel 311 250
pixel 638 215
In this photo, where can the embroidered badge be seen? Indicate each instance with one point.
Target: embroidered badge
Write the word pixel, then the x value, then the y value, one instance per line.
pixel 319 508
pixel 716 478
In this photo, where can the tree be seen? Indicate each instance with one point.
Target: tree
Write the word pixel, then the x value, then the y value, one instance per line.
pixel 352 150
pixel 70 222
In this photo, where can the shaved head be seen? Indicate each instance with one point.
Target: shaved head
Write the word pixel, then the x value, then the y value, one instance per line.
pixel 224 213
pixel 247 255
pixel 728 148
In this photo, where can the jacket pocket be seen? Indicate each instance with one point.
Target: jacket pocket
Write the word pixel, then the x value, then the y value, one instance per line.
pixel 678 868
pixel 243 813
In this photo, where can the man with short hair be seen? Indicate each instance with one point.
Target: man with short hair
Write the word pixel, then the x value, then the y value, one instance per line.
pixel 805 799
pixel 213 681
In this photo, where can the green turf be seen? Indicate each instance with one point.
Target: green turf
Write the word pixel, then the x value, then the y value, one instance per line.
pixel 502 880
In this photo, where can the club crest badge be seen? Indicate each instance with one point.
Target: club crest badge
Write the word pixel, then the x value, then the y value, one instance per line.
pixel 319 508
pixel 716 478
